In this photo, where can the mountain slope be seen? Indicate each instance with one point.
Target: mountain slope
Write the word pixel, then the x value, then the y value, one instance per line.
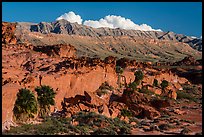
pixel 103 42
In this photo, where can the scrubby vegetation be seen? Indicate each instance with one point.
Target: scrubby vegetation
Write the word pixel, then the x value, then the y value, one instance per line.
pixel 155 83
pixel 126 113
pixel 189 92
pixel 133 85
pixel 88 123
pixel 164 84
pixel 184 95
pixel 138 77
pixel 145 90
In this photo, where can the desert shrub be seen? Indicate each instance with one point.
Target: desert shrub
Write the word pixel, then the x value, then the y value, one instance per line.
pixel 134 119
pixel 83 130
pixel 139 75
pixel 88 122
pixel 25 105
pixel 104 131
pixel 155 83
pixel 164 126
pixel 145 91
pixel 185 131
pixel 49 126
pixel 184 95
pixel 119 69
pixel 85 118
pixel 92 119
pixel 164 84
pixel 133 85
pixel 128 91
pixel 121 126
pixel 188 121
pixel 126 113
pixel 45 99
pixel 193 89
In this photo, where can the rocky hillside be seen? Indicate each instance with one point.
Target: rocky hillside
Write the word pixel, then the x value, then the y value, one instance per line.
pixel 103 42
pixel 91 84
pixel 65 27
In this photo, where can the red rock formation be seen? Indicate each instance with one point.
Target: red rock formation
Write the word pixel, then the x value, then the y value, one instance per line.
pixel 8 36
pixel 57 50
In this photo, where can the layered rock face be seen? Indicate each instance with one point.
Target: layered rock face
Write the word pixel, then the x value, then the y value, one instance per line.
pixel 57 50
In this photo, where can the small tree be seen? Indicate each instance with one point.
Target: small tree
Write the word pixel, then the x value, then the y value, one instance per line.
pixel 138 77
pixel 133 85
pixel 25 105
pixel 164 84
pixel 155 83
pixel 126 113
pixel 45 99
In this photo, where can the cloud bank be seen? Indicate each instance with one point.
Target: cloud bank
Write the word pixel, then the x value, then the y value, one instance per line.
pixel 71 17
pixel 110 21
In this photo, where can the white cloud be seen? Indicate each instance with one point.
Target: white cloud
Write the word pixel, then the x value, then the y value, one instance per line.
pixel 201 37
pixel 71 17
pixel 110 21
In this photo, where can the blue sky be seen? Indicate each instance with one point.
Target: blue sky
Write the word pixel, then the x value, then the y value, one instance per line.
pixel 179 17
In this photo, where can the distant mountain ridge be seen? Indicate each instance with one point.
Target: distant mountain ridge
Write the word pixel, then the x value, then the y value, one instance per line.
pixel 144 46
pixel 65 27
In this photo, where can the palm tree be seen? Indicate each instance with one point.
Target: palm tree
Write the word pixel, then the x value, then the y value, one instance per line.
pixel 45 99
pixel 25 105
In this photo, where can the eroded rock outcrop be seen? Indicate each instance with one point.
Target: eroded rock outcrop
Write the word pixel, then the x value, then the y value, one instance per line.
pixel 8 30
pixel 60 50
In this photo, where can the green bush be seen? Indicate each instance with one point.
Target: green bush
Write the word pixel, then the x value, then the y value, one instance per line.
pixel 49 126
pixel 25 105
pixel 165 126
pixel 184 95
pixel 164 84
pixel 89 123
pixel 155 83
pixel 126 113
pixel 133 85
pixel 139 75
pixel 145 90
pixel 119 69
pixel 104 131
pixel 128 91
pixel 185 131
pixel 45 99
